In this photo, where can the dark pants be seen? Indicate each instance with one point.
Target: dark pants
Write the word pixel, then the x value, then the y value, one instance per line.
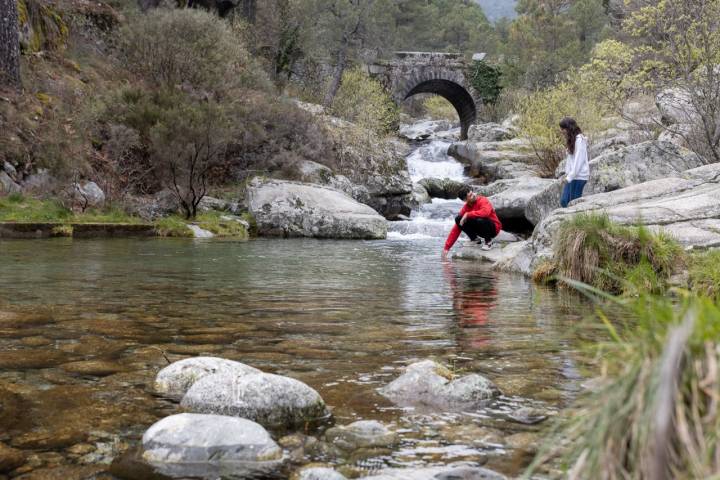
pixel 572 191
pixel 477 227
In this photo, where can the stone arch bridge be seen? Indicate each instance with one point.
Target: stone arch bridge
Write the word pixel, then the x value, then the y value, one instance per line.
pixel 444 74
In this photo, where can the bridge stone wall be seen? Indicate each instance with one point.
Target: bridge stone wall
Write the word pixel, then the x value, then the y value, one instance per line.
pixel 444 74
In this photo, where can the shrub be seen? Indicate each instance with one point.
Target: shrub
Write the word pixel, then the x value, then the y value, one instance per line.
pixel 485 79
pixel 591 249
pixel 541 112
pixel 189 48
pixel 363 100
pixel 172 226
pixel 655 413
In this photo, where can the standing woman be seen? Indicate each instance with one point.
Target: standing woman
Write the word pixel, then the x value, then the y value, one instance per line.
pixel 577 167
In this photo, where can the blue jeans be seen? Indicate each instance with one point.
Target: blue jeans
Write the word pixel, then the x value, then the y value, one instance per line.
pixel 572 191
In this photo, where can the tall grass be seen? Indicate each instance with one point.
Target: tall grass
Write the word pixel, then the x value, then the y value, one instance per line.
pixel 704 273
pixel 591 249
pixel 656 415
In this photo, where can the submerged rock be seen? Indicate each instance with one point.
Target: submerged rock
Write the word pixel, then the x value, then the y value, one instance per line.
pixel 361 434
pixel 10 458
pixel 174 380
pixel 437 473
pixel 292 209
pixel 187 445
pixel 429 384
pixel 274 401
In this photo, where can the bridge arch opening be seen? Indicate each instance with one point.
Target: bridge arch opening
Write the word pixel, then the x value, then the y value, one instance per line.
pixel 460 99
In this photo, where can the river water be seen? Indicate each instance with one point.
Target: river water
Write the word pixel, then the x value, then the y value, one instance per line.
pixel 342 316
pixel 86 324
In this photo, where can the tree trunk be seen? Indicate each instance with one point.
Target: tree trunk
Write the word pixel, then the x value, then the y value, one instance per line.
pixel 337 76
pixel 9 45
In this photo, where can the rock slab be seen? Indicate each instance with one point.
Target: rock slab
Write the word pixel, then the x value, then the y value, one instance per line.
pixel 293 209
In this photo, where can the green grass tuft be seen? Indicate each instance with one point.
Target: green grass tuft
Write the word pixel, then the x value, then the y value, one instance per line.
pixel 591 249
pixel 704 272
pixel 172 226
pixel 213 222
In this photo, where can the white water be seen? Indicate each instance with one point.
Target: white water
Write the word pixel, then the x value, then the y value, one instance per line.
pixel 433 220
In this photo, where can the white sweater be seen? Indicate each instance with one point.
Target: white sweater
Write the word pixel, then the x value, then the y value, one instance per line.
pixel 577 166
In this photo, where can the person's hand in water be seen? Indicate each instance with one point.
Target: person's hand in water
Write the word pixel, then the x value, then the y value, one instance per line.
pixel 444 254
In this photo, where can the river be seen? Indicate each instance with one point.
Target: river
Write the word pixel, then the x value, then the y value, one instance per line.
pixel 86 324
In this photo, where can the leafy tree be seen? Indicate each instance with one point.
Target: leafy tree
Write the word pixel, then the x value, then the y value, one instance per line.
pixel 363 101
pixel 9 45
pixel 549 37
pixel 671 48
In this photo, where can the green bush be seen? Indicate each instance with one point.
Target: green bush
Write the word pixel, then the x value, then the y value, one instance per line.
pixel 485 79
pixel 654 413
pixel 363 101
pixel 541 112
pixel 189 48
pixel 591 249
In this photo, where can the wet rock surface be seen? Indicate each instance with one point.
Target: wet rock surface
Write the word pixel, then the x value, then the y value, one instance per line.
pixel 361 434
pixel 429 384
pixel 190 444
pixel 177 378
pixel 274 401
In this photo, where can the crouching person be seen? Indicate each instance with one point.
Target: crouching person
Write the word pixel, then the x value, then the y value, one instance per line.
pixel 477 219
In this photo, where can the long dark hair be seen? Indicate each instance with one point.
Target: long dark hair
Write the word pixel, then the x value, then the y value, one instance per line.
pixel 571 130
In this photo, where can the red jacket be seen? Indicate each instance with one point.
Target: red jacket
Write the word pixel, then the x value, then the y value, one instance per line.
pixel 481 208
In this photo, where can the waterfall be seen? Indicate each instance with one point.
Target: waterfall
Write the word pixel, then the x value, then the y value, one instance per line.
pixel 430 160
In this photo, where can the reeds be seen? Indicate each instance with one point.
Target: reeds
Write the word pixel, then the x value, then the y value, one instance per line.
pixel 656 415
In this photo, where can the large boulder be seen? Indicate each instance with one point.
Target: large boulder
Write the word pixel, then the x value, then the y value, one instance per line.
pixel 83 195
pixel 429 384
pixel 637 164
pixel 544 201
pixel 490 132
pixel 7 184
pixel 437 473
pixel 494 160
pixel 675 106
pixel 176 379
pixel 313 172
pixel 192 445
pixel 276 402
pixel 293 209
pixel 511 203
pixel 446 188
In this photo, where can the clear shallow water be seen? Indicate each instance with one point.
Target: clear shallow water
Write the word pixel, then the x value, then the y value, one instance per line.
pixel 342 316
